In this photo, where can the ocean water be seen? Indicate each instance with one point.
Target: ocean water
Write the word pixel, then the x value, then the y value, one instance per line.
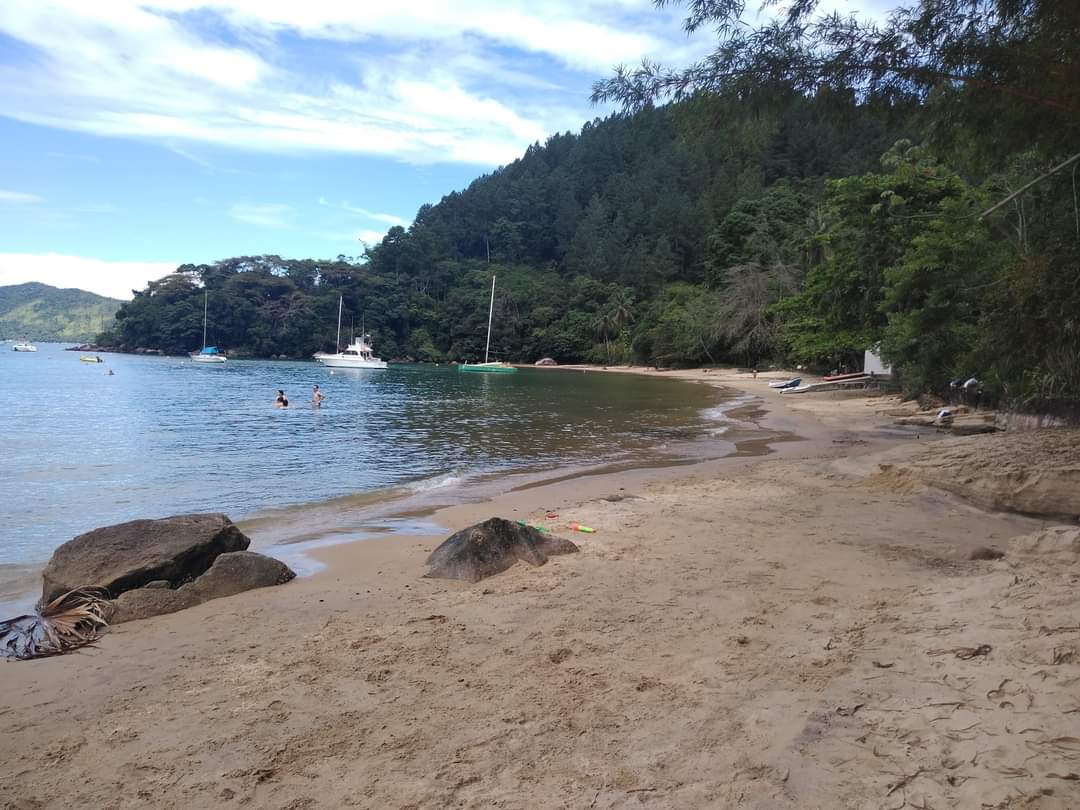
pixel 162 436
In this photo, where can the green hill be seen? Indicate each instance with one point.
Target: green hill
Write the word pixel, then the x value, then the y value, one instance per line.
pixel 40 312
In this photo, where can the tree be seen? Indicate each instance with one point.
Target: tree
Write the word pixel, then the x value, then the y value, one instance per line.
pixel 1005 72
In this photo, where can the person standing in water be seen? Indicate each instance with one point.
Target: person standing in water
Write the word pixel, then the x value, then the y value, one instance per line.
pixel 317 396
pixel 281 401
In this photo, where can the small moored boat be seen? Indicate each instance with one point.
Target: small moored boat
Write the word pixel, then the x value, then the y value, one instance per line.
pixel 24 346
pixel 492 367
pixel 207 354
pixel 90 359
pixel 782 384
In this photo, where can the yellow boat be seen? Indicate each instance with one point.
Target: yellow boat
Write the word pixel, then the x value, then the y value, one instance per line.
pixel 94 359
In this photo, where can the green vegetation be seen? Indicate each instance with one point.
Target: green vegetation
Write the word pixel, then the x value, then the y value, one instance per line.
pixel 40 312
pixel 817 186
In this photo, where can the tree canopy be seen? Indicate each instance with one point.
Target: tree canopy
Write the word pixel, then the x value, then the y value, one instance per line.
pixel 817 185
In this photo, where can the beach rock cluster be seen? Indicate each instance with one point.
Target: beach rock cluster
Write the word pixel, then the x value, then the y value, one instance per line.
pixel 491 547
pixel 150 567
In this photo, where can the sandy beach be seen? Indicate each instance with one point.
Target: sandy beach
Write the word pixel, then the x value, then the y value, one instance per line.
pixel 785 628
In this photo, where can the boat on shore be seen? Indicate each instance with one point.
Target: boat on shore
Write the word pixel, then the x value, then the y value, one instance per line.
pixel 493 367
pixel 207 354
pixel 24 346
pixel 358 354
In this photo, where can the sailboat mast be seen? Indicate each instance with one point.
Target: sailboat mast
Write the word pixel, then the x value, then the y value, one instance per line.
pixel 205 309
pixel 491 311
pixel 340 304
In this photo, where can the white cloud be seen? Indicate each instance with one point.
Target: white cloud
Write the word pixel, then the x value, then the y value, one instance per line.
pixel 436 81
pixel 370 237
pixel 389 219
pixel 265 215
pixel 19 198
pixel 354 237
pixel 113 279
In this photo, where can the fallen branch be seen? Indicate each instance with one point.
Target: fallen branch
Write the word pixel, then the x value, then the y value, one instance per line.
pixel 907 780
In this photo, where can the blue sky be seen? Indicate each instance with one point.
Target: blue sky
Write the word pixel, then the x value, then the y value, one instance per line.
pixel 140 134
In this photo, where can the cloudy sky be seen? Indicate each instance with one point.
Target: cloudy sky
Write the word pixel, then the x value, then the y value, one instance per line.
pixel 140 135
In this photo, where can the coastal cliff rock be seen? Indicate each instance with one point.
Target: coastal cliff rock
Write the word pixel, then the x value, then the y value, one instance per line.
pixel 490 548
pixel 1054 544
pixel 1032 472
pixel 231 573
pixel 130 555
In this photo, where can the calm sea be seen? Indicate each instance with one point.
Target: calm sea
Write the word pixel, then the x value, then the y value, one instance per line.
pixel 163 436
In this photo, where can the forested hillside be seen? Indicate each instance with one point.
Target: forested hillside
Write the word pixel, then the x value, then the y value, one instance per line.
pixel 817 186
pixel 40 312
pixel 607 245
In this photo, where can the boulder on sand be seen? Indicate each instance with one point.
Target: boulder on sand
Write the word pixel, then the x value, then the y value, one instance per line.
pixel 129 555
pixel 238 572
pixel 491 547
pixel 231 573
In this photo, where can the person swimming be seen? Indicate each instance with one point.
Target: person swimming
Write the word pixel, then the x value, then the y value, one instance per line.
pixel 317 396
pixel 282 401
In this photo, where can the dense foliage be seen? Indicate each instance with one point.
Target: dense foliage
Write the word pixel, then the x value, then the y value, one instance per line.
pixel 819 185
pixel 39 312
pixel 634 238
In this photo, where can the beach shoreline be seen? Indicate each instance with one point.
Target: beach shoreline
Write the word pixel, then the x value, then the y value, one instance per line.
pixel 781 628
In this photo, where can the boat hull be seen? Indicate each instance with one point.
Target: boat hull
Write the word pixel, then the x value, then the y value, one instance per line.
pixel 348 362
pixel 488 368
pixel 207 359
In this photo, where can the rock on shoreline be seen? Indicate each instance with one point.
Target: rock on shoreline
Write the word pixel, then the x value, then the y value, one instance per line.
pixel 491 547
pixel 149 567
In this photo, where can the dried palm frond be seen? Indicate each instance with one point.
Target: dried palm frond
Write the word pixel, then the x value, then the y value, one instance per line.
pixel 72 620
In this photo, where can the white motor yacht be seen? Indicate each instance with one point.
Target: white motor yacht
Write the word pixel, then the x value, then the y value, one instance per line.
pixel 357 354
pixel 24 346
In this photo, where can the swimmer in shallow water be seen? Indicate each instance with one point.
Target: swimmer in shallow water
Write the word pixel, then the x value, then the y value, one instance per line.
pixel 282 401
pixel 317 397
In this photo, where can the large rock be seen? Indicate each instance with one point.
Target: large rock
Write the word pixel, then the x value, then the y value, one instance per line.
pixel 1033 472
pixel 129 555
pixel 1054 544
pixel 142 603
pixel 237 572
pixel 491 547
pixel 230 574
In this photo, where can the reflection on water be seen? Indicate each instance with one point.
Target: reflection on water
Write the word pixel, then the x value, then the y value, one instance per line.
pixel 164 436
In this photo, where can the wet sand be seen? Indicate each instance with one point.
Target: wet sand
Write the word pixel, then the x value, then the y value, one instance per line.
pixel 781 631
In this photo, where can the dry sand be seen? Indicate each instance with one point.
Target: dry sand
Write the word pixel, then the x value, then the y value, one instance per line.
pixel 788 631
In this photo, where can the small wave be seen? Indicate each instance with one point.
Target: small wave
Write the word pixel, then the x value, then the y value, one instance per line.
pixel 438 482
pixel 722 412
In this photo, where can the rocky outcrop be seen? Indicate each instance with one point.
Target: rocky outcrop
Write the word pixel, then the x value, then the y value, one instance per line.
pixel 130 555
pixel 231 573
pixel 1054 544
pixel 491 547
pixel 1032 472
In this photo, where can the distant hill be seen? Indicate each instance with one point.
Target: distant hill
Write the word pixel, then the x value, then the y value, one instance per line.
pixel 40 312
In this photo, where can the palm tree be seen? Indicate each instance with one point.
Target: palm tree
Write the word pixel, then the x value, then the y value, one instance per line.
pixel 603 324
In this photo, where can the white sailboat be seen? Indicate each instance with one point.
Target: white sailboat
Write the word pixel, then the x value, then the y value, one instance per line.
pixel 493 367
pixel 357 354
pixel 208 354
